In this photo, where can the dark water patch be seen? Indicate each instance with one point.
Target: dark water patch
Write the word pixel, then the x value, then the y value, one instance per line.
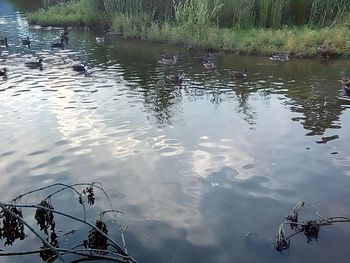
pixel 8 153
pixel 62 142
pixel 327 139
pixel 37 152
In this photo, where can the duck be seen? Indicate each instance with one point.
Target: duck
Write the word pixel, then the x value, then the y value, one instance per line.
pixel 169 61
pixel 325 50
pixel 345 81
pixel 171 56
pixel 346 87
pixel 26 42
pixel 35 64
pixel 238 74
pixel 283 57
pixel 3 42
pixel 3 73
pixel 58 45
pixel 209 65
pixel 65 31
pixel 81 67
pixel 100 39
pixel 175 78
pixel 64 35
pixel 65 39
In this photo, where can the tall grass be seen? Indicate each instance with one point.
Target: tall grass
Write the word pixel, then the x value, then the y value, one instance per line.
pixel 196 12
pixel 277 13
pixel 238 13
pixel 329 12
pixel 76 13
pixel 225 13
pixel 128 7
pixel 248 26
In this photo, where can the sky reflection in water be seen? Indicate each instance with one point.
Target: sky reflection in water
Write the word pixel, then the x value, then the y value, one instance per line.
pixel 195 167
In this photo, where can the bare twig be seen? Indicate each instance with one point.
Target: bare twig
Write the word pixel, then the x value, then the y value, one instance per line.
pixel 122 231
pixel 65 186
pixel 89 251
pixel 81 252
pixel 310 228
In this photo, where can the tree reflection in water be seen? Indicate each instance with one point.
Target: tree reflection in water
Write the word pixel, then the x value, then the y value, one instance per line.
pixel 304 93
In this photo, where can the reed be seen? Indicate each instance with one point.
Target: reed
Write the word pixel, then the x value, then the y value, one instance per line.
pixel 264 10
pixel 58 15
pixel 225 13
pixel 129 7
pixel 329 12
pixel 247 26
pixel 196 12
pixel 279 13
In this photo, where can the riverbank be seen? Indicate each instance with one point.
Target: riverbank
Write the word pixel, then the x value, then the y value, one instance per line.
pixel 299 41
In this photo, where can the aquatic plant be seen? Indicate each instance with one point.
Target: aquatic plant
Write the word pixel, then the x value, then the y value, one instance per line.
pixel 98 245
pixel 310 228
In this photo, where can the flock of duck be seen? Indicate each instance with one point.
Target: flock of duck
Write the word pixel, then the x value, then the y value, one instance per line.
pixel 207 60
pixel 167 60
pixel 64 40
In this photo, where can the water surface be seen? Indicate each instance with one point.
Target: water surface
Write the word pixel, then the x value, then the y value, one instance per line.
pixel 196 166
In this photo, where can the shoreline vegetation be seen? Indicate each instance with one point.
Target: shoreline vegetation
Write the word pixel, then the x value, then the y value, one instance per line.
pixel 255 27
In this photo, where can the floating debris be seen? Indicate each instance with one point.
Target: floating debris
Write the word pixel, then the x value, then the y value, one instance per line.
pixel 310 228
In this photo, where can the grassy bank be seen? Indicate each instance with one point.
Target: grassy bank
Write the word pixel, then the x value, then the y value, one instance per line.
pixel 73 13
pixel 300 41
pixel 197 23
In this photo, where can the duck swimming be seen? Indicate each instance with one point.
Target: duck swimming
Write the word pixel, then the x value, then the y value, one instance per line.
pixel 35 64
pixel 237 74
pixel 345 81
pixel 3 42
pixel 26 42
pixel 347 90
pixel 169 61
pixel 79 67
pixel 58 45
pixel 175 78
pixel 64 35
pixel 280 57
pixel 177 55
pixel 64 39
pixel 82 68
pixel 3 73
pixel 100 39
pixel 209 65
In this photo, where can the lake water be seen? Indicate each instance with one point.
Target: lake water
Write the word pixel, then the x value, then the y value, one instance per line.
pixel 205 170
